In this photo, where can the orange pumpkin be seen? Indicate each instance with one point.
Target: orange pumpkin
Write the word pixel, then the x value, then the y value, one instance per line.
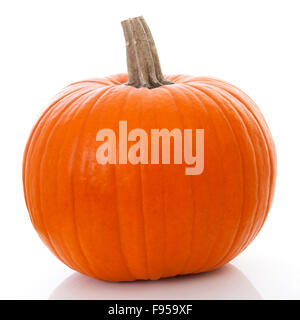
pixel 122 222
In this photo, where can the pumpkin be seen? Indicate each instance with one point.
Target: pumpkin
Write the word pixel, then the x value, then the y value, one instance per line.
pixel 122 222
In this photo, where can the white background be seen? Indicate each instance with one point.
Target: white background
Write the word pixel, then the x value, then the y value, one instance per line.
pixel 253 44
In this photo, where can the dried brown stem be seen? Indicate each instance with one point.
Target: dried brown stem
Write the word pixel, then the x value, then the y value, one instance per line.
pixel 142 59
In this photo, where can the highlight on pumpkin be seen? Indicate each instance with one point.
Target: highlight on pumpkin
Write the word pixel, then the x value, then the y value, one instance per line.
pixel 138 152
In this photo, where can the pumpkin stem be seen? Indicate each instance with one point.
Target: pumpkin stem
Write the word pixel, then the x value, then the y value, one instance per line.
pixel 142 59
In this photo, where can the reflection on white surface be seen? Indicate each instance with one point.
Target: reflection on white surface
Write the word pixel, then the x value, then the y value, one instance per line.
pixel 227 282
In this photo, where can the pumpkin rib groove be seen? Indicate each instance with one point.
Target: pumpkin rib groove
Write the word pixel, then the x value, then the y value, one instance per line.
pixel 101 95
pixel 172 273
pixel 162 198
pixel 28 146
pixel 141 200
pixel 254 220
pixel 104 91
pixel 158 272
pixel 264 131
pixel 59 152
pixel 68 107
pixel 56 121
pixel 51 242
pixel 117 225
pixel 141 209
pixel 167 271
pixel 271 165
pixel 270 179
pixel 42 123
pixel 220 105
pixel 257 188
pixel 262 124
pixel 184 87
pixel 67 252
pixel 199 91
pixel 229 251
pixel 181 89
pixel 129 96
pixel 122 251
pixel 195 92
pixel 162 180
pixel 169 91
pixel 242 164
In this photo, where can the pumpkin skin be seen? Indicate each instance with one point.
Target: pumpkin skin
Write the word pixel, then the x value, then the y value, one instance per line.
pixel 126 222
